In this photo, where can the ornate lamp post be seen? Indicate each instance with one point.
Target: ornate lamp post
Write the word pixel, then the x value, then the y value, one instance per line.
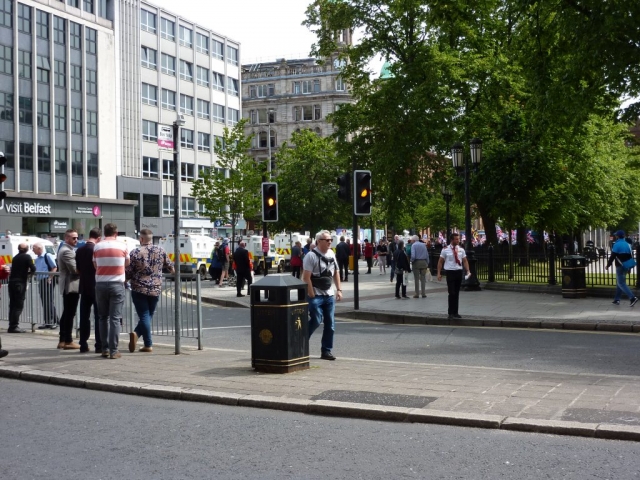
pixel 461 164
pixel 447 195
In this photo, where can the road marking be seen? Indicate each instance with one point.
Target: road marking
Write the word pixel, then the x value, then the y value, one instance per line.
pixel 222 328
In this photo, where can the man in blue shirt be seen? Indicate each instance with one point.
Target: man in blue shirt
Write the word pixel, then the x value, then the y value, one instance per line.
pixel 621 253
pixel 46 285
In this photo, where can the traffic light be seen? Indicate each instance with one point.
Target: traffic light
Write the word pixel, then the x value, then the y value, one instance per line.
pixel 362 192
pixel 269 202
pixel 344 190
pixel 3 178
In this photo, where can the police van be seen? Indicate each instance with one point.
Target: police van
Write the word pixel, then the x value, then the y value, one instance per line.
pixel 195 253
pixel 283 244
pixel 9 246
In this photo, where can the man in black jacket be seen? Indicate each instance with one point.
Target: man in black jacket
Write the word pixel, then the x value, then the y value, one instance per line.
pixel 342 256
pixel 21 267
pixel 243 268
pixel 87 272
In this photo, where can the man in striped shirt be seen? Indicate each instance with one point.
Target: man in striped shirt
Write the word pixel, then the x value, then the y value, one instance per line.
pixel 110 257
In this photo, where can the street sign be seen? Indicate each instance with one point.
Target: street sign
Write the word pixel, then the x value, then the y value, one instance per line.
pixel 265 244
pixel 165 137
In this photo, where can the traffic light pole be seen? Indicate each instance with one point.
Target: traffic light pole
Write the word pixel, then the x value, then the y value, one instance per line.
pixel 176 236
pixel 356 247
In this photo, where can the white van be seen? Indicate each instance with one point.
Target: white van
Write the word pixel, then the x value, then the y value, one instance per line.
pixel 9 246
pixel 195 252
pixel 283 243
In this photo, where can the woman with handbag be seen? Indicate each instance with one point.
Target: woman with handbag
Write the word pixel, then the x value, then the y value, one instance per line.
pixel 403 267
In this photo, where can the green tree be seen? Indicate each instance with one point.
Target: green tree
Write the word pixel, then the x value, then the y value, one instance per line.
pixel 232 190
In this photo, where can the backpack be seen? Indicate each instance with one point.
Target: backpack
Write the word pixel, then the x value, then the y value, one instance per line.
pixel 221 254
pixel 51 263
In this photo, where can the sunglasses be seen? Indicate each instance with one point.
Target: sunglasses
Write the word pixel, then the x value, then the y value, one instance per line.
pixel 326 239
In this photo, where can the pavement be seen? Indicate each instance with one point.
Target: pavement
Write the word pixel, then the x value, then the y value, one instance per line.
pixel 582 404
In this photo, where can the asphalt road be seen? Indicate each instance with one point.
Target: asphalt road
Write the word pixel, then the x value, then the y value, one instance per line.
pixel 546 350
pixel 61 432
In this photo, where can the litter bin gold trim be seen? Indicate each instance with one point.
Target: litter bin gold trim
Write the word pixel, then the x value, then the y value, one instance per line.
pixel 297 360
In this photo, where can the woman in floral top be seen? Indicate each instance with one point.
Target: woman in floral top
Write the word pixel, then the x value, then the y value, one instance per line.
pixel 145 274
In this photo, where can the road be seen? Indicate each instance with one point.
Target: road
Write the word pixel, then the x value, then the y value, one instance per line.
pixel 51 431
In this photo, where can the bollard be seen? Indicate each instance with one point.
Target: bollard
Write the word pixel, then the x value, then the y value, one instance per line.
pixel 492 269
pixel 552 264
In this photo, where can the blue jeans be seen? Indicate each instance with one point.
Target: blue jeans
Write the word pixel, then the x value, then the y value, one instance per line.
pixel 110 300
pixel 145 308
pixel 321 308
pixel 621 283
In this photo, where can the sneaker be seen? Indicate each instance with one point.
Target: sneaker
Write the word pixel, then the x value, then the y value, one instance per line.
pixel 133 339
pixel 327 356
pixel 105 354
pixel 60 345
pixel 634 300
pixel 424 296
pixel 16 330
pixel 416 296
pixel 115 355
pixel 616 302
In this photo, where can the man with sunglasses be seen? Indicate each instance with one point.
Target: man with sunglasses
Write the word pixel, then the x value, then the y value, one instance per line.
pixel 70 288
pixel 320 271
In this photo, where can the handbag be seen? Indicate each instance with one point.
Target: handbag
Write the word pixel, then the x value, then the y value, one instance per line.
pixel 629 264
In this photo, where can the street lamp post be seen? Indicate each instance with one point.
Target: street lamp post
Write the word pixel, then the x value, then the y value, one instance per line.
pixel 447 195
pixel 461 164
pixel 176 230
pixel 269 112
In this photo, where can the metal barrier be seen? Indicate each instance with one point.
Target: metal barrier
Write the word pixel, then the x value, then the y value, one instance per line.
pixel 43 304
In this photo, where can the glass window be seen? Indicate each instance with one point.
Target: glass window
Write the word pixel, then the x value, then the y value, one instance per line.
pixel 74 3
pixel 60 117
pixel 187 172
pixel 61 160
pixel 167 205
pixel 202 43
pixel 232 55
pixel 149 167
pixel 149 94
pixel 150 205
pixel 203 76
pixel 75 35
pixel 91 40
pixel 60 74
pixel 6 13
pixel 168 99
pixel 44 115
pixel 8 147
pixel 218 81
pixel 217 49
pixel 92 124
pixel 149 131
pixel 204 142
pixel 186 138
pixel 26 156
pixel 168 65
pixel 218 143
pixel 186 104
pixel 203 170
pixel 103 10
pixel 24 64
pixel 24 19
pixel 76 120
pixel 92 165
pixel 234 116
pixel 43 69
pixel 76 163
pixel 88 6
pixel 167 29
pixel 44 159
pixel 317 112
pixel 233 86
pixel 25 110
pixel 186 71
pixel 186 36
pixel 6 106
pixel 92 82
pixel 188 207
pixel 6 60
pixel 340 85
pixel 167 169
pixel 316 86
pixel 59 30
pixel 149 58
pixel 218 113
pixel 42 24
pixel 203 109
pixel 147 20
pixel 76 78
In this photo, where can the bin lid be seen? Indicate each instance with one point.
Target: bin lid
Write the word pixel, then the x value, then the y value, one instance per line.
pixel 285 280
pixel 573 257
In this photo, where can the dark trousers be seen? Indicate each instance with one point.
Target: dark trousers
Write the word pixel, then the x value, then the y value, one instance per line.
pixel 399 280
pixel 295 271
pixel 86 302
pixel 17 292
pixel 69 305
pixel 46 289
pixel 241 276
pixel 392 266
pixel 343 265
pixel 454 281
pixel 369 263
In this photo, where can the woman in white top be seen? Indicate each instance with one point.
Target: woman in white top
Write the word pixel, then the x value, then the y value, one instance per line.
pixel 453 259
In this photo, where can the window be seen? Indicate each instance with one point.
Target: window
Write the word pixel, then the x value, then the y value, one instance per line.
pixel 317 112
pixel 24 19
pixel 44 159
pixel 92 124
pixel 60 74
pixel 44 69
pixel 92 165
pixel 149 94
pixel 24 64
pixel 218 113
pixel 202 210
pixel 61 160
pixel 203 170
pixel 6 13
pixel 76 120
pixel 8 147
pixel 75 35
pixel 102 9
pixel 186 70
pixel 217 49
pixel 91 39
pixel 202 43
pixel 59 30
pixel 149 131
pixel 6 60
pixel 167 29
pixel 168 65
pixel 74 3
pixel 186 138
pixel 149 58
pixel 167 169
pixel 186 104
pixel 6 106
pixel 273 138
pixel 167 205
pixel 340 85
pixel 76 163
pixel 187 172
pixel 262 140
pixel 218 143
pixel 150 205
pixel 26 156
pixel 234 116
pixel 149 167
pixel 307 113
pixel 25 110
pixel 203 109
pixel 218 81
pixel 186 36
pixel 92 82
pixel 262 115
pixel 61 117
pixel 232 55
pixel 76 78
pixel 44 115
pixel 261 91
pixel 188 207
pixel 203 76
pixel 204 142
pixel 233 86
pixel 42 24
pixel 88 6
pixel 168 99
pixel 147 21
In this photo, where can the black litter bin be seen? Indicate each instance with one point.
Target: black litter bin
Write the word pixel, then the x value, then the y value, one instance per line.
pixel 279 324
pixel 574 281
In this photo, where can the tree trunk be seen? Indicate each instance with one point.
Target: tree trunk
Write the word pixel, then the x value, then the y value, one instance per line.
pixel 522 246
pixel 489 223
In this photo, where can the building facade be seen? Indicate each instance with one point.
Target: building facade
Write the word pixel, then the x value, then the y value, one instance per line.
pixel 170 66
pixel 57 116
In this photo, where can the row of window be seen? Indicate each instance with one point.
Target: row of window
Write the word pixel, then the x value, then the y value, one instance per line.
pixel 43 158
pixel 303 87
pixel 204 108
pixel 89 6
pixel 150 205
pixel 149 59
pixel 148 23
pixel 187 136
pixel 187 170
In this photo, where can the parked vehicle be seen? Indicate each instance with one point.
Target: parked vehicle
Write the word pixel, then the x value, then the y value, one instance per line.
pixel 9 246
pixel 195 253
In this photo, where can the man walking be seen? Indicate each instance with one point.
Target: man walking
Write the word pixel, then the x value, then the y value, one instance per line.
pixel 70 287
pixel 393 247
pixel 342 256
pixel 319 271
pixel 46 285
pixel 87 272
pixel 453 258
pixel 21 267
pixel 419 264
pixel 145 272
pixel 622 255
pixel 243 268
pixel 110 258
pixel 4 274
pixel 223 257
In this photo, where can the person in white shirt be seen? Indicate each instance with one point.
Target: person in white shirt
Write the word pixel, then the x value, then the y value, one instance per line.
pixel 453 258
